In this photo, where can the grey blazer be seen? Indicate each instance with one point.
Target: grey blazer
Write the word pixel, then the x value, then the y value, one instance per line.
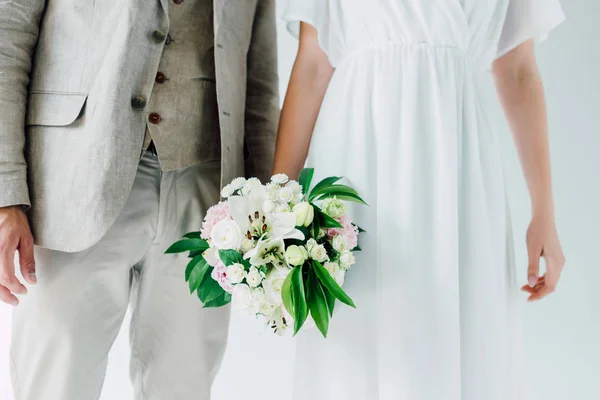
pixel 71 129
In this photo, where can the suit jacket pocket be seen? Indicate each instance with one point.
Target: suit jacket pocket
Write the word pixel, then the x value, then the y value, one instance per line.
pixel 54 109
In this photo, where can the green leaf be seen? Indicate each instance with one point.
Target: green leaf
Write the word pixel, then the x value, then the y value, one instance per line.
pixel 197 269
pixel 331 284
pixel 342 192
pixel 317 303
pixel 230 257
pixel 360 230
pixel 299 299
pixel 323 184
pixel 315 227
pixel 286 293
pixel 192 235
pixel 329 298
pixel 188 245
pixel 209 288
pixel 326 221
pixel 222 300
pixel 305 179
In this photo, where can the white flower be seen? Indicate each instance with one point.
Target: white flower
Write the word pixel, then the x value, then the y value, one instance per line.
pixel 333 207
pixel 286 195
pixel 322 233
pixel 258 299
pixel 211 256
pixel 236 273
pixel 296 255
pixel 265 252
pixel 272 191
pixel 316 251
pixel 283 208
pixel 238 183
pixel 295 187
pixel 226 235
pixel 254 277
pixel 340 243
pixel 273 284
pixel 280 179
pixel 267 309
pixel 269 206
pixel 242 297
pixel 247 245
pixel 347 259
pixel 227 191
pixel 305 213
pixel 335 271
pixel 251 184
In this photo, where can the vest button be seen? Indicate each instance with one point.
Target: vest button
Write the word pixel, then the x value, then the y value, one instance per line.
pixel 154 118
pixel 177 1
pixel 158 36
pixel 160 77
pixel 138 102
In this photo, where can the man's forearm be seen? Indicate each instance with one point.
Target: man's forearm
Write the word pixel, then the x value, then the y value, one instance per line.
pixel 19 29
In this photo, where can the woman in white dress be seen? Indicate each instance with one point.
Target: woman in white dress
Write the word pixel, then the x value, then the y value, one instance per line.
pixel 389 94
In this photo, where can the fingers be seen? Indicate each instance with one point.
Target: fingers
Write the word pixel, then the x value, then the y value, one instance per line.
pixel 7 297
pixel 533 270
pixel 26 260
pixel 8 279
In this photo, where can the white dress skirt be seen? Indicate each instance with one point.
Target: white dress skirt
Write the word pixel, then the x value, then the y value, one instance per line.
pixel 405 121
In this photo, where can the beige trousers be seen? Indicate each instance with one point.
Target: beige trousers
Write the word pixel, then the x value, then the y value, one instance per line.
pixel 64 328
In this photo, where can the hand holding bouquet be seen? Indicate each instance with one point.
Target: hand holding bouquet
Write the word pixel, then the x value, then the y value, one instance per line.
pixel 278 251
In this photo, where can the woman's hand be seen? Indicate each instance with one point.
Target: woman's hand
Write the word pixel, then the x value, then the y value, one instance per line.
pixel 542 241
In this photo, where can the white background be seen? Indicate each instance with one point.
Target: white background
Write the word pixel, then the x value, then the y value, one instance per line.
pixel 561 333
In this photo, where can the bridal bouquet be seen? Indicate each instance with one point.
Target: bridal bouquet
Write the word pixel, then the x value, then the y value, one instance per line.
pixel 279 251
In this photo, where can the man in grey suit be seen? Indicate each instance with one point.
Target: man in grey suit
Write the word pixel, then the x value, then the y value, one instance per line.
pixel 119 121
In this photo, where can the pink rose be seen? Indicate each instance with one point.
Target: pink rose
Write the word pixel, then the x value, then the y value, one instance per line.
pixel 219 274
pixel 349 231
pixel 214 215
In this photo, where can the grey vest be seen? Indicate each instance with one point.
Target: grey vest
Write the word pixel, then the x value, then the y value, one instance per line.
pixel 183 115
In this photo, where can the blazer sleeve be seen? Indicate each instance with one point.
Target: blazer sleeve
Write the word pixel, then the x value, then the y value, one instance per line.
pixel 528 19
pixel 262 93
pixel 19 30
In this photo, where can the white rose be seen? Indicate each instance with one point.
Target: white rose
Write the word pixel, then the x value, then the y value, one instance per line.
pixel 347 259
pixel 295 187
pixel 305 213
pixel 236 273
pixel 269 206
pixel 280 179
pixel 296 255
pixel 282 208
pixel 242 297
pixel 211 256
pixel 227 191
pixel 335 271
pixel 226 235
pixel 237 183
pixel 316 251
pixel 254 277
pixel 273 285
pixel 333 207
pixel 258 299
pixel 340 243
pixel 247 245
pixel 286 195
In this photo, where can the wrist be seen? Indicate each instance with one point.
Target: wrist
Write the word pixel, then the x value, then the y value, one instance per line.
pixel 543 209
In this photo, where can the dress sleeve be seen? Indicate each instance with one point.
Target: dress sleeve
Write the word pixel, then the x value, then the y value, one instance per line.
pixel 528 19
pixel 315 13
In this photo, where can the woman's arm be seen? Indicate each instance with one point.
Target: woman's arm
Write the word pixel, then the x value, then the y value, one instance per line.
pixel 310 77
pixel 521 93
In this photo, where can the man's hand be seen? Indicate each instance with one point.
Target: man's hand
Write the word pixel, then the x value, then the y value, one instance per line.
pixel 15 235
